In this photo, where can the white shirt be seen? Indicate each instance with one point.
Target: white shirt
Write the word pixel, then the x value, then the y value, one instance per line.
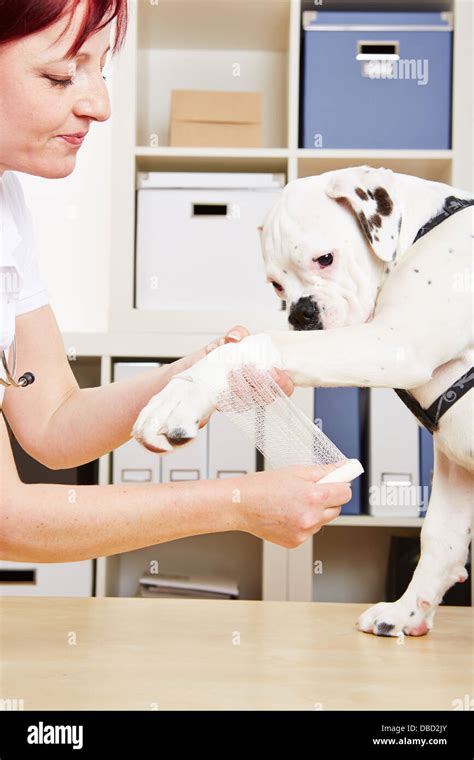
pixel 21 287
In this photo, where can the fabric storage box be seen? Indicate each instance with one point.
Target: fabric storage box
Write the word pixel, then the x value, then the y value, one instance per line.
pixel 426 467
pixel 341 414
pixel 376 80
pixel 197 243
pixel 215 119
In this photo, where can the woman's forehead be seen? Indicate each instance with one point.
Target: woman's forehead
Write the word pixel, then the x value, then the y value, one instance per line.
pixel 51 45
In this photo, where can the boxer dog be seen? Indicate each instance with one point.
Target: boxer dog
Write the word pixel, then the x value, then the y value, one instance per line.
pixel 376 273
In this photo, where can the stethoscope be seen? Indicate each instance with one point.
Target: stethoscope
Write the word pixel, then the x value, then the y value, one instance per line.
pixel 22 381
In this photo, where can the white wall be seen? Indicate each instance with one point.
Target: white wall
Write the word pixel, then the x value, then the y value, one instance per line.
pixel 72 219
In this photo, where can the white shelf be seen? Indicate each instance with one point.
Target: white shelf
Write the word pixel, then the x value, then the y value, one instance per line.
pixel 302 153
pixel 378 154
pixel 257 153
pixel 212 159
pixel 178 336
pixel 431 164
pixel 369 521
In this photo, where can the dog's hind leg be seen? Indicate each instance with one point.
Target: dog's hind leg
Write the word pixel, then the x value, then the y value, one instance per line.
pixel 445 539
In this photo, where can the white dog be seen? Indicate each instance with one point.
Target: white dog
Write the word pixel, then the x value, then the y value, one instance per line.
pixel 375 269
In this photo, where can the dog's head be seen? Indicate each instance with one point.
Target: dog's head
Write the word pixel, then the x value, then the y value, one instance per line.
pixel 326 242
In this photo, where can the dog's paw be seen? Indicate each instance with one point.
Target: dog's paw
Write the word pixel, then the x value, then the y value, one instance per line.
pixel 171 418
pixel 393 618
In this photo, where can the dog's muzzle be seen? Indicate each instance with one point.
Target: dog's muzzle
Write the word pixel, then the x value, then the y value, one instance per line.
pixel 304 315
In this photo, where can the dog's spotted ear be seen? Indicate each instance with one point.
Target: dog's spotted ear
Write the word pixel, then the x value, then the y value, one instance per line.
pixel 371 195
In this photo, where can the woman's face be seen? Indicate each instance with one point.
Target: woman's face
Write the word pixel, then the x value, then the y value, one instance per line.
pixel 43 96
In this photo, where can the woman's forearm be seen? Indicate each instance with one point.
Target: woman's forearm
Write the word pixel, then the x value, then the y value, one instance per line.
pixel 93 421
pixel 61 523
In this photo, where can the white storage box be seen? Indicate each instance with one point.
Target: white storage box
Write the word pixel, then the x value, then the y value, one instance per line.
pixel 394 458
pixel 46 578
pixel 197 242
pixel 131 462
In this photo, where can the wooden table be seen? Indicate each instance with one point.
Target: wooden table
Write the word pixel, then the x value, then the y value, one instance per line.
pixel 142 654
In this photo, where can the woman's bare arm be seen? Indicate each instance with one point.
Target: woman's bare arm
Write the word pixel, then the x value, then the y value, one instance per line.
pixel 63 523
pixel 57 423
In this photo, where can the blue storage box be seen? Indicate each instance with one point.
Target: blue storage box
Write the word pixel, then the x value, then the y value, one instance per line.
pixel 339 413
pixel 376 80
pixel 426 468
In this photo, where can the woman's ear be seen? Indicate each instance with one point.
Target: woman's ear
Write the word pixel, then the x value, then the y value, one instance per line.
pixel 370 193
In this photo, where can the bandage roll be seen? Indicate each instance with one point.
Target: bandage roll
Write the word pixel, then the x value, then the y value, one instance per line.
pixel 255 403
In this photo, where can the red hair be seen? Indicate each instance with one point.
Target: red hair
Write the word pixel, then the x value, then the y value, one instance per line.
pixel 21 18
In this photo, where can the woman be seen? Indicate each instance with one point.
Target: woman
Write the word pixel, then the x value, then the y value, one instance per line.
pixel 51 89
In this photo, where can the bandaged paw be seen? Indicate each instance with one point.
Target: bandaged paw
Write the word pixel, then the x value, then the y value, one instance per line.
pixel 255 350
pixel 172 417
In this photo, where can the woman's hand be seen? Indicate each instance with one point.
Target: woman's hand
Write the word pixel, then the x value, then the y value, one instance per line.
pixel 233 336
pixel 284 506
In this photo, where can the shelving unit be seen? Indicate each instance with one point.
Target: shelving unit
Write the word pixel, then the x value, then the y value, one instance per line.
pixel 367 521
pixel 431 164
pixel 199 43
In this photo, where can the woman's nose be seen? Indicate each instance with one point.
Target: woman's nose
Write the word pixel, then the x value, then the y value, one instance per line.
pixel 95 104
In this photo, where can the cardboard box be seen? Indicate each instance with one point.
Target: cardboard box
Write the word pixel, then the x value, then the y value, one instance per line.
pixel 216 119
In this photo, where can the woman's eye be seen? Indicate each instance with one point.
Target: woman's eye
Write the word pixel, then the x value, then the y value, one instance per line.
pixel 277 287
pixel 59 82
pixel 325 260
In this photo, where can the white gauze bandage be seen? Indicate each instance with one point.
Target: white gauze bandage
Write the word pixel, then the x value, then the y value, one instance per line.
pixel 255 403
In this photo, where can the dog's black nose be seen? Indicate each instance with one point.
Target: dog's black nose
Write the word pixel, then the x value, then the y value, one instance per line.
pixel 304 315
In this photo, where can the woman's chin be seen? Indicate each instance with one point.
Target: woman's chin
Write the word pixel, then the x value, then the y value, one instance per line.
pixel 57 169
pixel 61 168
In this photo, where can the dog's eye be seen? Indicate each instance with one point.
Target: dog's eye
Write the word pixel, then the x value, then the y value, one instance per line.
pixel 277 287
pixel 325 260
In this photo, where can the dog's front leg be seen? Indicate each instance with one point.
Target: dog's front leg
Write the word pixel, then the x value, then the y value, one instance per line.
pixel 371 354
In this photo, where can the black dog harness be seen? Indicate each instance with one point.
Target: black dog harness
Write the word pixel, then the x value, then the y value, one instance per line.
pixel 430 417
